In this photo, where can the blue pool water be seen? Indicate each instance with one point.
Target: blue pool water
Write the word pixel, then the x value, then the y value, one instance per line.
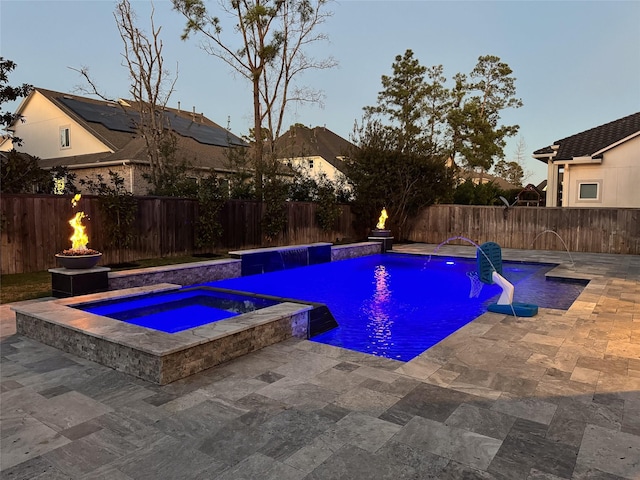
pixel 177 310
pixel 397 306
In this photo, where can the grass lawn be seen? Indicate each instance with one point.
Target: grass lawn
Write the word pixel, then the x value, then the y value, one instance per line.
pixel 27 286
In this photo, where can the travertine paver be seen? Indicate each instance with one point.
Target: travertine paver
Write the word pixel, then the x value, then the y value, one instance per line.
pixel 556 396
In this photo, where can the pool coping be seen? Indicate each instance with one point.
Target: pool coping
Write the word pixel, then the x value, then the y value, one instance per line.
pixel 151 354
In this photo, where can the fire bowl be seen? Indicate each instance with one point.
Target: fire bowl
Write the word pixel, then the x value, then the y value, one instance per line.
pixel 78 261
pixel 376 232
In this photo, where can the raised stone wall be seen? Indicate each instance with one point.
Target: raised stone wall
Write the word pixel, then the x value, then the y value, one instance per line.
pixel 353 250
pixel 182 274
pixel 153 355
pixel 212 270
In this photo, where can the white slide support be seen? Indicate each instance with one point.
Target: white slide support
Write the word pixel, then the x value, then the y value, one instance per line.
pixel 506 297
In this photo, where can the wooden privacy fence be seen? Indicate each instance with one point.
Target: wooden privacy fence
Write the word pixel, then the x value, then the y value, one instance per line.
pixel 597 230
pixel 36 227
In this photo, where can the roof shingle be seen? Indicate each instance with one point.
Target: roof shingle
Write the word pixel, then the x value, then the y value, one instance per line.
pixel 591 141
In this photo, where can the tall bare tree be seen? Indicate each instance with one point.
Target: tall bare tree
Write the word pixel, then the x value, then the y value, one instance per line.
pixel 514 171
pixel 267 47
pixel 150 88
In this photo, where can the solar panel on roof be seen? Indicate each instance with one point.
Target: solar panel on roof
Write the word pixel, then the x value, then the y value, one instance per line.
pixel 202 133
pixel 112 117
pixel 117 119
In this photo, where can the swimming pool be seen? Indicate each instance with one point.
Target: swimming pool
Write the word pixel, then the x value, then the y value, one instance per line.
pixel 398 305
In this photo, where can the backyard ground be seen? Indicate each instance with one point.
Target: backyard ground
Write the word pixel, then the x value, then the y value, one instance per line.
pixel 554 397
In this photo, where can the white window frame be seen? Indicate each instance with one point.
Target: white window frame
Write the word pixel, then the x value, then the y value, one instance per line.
pixel 65 137
pixel 598 197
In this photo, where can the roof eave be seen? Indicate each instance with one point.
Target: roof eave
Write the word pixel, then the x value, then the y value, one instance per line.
pixel 545 157
pixel 600 152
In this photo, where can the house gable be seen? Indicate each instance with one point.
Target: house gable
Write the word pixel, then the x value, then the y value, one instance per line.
pixel 92 136
pixel 599 167
pixel 47 131
pixel 594 142
pixel 319 147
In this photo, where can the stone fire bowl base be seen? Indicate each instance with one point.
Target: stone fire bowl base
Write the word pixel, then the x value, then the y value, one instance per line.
pixel 78 261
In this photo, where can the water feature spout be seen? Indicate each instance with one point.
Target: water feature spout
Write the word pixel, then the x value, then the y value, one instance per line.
pixel 478 249
pixel 563 243
pixel 294 257
pixel 465 239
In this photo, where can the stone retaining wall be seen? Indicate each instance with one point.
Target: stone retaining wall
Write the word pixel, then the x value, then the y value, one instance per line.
pixel 212 270
pixel 181 274
pixel 353 250
pixel 153 355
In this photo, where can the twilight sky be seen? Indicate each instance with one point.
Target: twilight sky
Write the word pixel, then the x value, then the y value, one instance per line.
pixel 576 63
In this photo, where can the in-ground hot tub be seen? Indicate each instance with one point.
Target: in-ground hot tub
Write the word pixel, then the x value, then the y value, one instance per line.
pixel 151 354
pixel 178 310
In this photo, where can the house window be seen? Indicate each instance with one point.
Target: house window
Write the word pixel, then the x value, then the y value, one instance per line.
pixel 310 163
pixel 65 137
pixel 589 191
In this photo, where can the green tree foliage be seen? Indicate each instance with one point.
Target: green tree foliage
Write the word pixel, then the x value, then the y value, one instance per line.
pixel 474 118
pixel 514 170
pixel 212 196
pixel 468 193
pixel 383 175
pixel 22 174
pixel 9 93
pixel 118 206
pixel 173 181
pixel 240 178
pixel 437 102
pixel 328 211
pixel 510 171
pixel 320 189
pixel 419 123
pixel 303 186
pixel 63 181
pixel 402 100
pixel 275 191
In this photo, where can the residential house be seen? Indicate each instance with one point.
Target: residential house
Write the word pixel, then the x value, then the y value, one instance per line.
pixel 316 150
pixel 599 167
pixel 91 137
pixel 480 177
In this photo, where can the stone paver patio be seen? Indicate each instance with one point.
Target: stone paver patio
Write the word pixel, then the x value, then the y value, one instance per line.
pixel 556 396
